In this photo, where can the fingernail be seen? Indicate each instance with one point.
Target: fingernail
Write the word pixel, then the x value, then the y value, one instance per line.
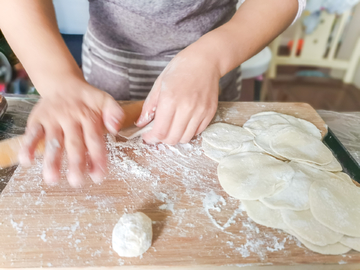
pixel 152 140
pixel 148 117
pixel 50 177
pixel 97 177
pixel 111 128
pixel 75 178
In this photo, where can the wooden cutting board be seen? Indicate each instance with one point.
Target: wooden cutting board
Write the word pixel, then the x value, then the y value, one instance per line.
pixel 195 223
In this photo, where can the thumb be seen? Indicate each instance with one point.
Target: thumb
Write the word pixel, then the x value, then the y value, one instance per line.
pixel 113 115
pixel 150 104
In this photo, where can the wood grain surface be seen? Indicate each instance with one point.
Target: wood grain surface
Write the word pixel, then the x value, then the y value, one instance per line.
pixel 195 223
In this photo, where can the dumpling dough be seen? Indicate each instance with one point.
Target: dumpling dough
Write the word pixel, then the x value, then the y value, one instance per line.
pixel 346 178
pixel 248 146
pixel 307 227
pixel 296 195
pixel 132 235
pixel 333 249
pixel 263 140
pixel 240 176
pixel 225 136
pixel 336 204
pixel 333 166
pixel 263 215
pixel 213 152
pixel 351 242
pixel 293 144
pixel 264 120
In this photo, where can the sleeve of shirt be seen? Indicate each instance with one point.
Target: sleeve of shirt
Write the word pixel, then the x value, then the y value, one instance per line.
pixel 301 7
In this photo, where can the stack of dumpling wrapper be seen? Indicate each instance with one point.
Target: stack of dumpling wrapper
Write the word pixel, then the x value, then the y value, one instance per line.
pixel 286 178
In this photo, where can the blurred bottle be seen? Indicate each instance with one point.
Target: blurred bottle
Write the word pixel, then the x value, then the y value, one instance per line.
pixel 6 50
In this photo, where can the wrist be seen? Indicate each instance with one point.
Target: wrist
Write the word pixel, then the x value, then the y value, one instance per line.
pixel 59 83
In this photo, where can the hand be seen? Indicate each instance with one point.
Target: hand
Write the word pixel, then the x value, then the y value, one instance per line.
pixel 182 101
pixel 73 117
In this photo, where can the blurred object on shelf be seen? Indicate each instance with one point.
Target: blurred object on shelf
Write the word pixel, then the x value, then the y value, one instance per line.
pixel 319 49
pixel 299 46
pixel 7 51
pixel 314 8
pixel 3 106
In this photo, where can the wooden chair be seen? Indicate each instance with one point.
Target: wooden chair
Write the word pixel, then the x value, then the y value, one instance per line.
pixel 318 49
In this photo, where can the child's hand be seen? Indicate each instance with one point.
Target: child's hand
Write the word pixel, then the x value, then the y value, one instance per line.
pixel 183 99
pixel 73 118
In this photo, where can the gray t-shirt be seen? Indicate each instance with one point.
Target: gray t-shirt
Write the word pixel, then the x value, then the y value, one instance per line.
pixel 129 42
pixel 155 27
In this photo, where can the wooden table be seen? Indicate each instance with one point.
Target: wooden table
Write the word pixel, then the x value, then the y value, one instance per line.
pixel 195 223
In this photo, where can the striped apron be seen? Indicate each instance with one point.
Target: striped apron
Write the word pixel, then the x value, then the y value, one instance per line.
pixel 129 73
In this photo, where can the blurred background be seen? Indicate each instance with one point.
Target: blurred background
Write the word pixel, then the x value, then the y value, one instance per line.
pixel 316 60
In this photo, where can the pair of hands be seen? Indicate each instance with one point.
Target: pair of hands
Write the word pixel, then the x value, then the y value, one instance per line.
pixel 182 103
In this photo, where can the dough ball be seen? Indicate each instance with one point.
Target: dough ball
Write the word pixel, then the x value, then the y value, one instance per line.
pixel 132 235
pixel 241 177
pixel 307 227
pixel 225 136
pixel 263 215
pixel 293 144
pixel 336 204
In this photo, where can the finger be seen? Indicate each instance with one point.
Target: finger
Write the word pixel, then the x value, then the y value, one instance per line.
pixel 178 128
pixel 95 144
pixel 75 150
pixel 34 133
pixel 162 123
pixel 112 115
pixel 53 154
pixel 191 129
pixel 150 105
pixel 204 124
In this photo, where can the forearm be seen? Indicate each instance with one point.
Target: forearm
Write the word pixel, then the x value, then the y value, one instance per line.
pixel 30 28
pixel 255 24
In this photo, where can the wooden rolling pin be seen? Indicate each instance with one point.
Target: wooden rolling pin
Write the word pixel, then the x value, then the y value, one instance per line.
pixel 9 148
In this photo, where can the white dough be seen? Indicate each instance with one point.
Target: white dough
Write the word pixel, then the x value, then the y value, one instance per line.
pixel 293 144
pixel 296 195
pixel 346 178
pixel 333 166
pixel 134 131
pixel 351 242
pixel 241 177
pixel 212 152
pixel 263 215
pixel 248 146
pixel 333 249
pixel 132 235
pixel 303 125
pixel 263 140
pixel 336 204
pixel 225 136
pixel 264 120
pixel 307 227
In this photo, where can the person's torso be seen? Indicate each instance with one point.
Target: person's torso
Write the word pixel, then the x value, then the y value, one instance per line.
pixel 156 27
